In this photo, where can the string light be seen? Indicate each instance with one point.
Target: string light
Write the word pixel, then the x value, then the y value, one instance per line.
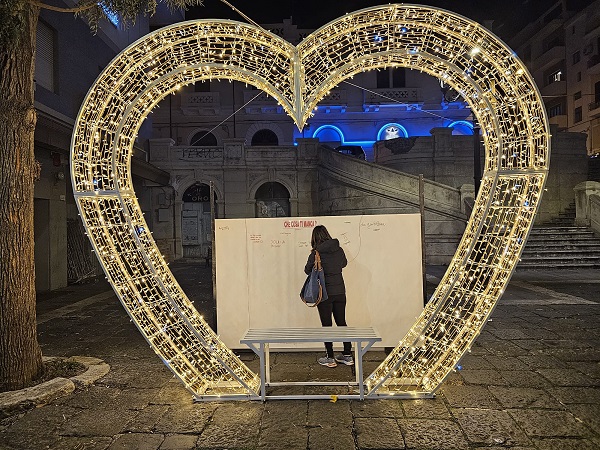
pixel 491 79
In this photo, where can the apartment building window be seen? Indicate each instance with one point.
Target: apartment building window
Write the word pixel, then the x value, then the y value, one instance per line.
pixel 576 57
pixel 578 76
pixel 555 76
pixel 578 114
pixel 577 95
pixel 573 29
pixel 555 110
pixel 202 86
pixel 394 77
pixel 45 59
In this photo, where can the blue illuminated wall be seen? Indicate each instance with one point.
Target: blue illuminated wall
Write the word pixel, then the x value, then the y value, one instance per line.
pixel 362 112
pixel 347 129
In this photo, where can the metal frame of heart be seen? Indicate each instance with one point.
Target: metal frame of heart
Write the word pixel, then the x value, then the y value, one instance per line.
pixel 466 56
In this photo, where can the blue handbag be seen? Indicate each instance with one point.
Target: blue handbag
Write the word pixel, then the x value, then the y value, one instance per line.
pixel 313 291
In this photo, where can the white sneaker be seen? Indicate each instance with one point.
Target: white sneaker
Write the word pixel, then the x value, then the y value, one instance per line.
pixel 345 359
pixel 328 362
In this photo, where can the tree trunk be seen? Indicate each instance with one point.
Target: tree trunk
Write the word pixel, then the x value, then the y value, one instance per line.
pixel 20 354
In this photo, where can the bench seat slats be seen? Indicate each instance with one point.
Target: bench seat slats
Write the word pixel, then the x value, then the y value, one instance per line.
pixel 284 335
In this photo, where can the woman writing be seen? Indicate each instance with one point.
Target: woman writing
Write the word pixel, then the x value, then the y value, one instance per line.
pixel 333 260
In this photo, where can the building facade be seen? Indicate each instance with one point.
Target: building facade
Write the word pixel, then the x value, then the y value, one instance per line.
pixel 240 140
pixel 68 60
pixel 562 51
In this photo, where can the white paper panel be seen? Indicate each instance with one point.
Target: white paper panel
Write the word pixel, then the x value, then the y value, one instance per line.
pixel 260 270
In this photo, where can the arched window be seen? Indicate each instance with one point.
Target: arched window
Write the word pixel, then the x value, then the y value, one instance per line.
pixel 204 139
pixel 461 128
pixel 391 131
pixel 197 193
pixel 329 134
pixel 265 137
pixel 272 200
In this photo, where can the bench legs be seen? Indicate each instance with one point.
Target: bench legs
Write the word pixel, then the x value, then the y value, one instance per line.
pixel 264 354
pixel 264 366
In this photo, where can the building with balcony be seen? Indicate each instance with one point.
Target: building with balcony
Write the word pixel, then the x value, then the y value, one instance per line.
pixel 241 140
pixel 561 50
pixel 392 102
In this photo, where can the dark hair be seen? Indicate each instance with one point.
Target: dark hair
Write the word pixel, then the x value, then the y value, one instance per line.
pixel 319 235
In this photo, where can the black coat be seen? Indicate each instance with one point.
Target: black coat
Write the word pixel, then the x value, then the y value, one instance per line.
pixel 333 260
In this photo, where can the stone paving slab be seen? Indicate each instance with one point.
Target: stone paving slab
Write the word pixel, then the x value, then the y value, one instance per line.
pixel 425 434
pixel 490 427
pixel 378 433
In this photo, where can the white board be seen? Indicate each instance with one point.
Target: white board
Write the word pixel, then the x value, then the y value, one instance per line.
pixel 260 271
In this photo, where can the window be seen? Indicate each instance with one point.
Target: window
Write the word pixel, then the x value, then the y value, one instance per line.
pixel 391 131
pixel 197 193
pixel 555 110
pixel 265 137
pixel 204 139
pixel 272 200
pixel 394 77
pixel 202 86
pixel 329 134
pixel 578 76
pixel 578 114
pixel 576 57
pixel 555 77
pixel 573 29
pixel 577 95
pixel 45 59
pixel 553 42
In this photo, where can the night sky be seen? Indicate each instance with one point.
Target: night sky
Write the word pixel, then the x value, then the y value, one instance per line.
pixel 509 15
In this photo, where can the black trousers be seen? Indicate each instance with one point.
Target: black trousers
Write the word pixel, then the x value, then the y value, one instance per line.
pixel 336 305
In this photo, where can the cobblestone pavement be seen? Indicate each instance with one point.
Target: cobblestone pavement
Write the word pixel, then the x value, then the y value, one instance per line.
pixel 531 381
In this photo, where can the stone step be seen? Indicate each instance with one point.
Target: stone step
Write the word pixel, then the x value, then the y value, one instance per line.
pixel 574 256
pixel 554 228
pixel 560 247
pixel 584 238
pixel 535 265
pixel 563 221
pixel 561 231
pixel 549 259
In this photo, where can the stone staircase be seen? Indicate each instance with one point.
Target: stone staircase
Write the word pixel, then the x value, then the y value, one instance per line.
pixel 560 244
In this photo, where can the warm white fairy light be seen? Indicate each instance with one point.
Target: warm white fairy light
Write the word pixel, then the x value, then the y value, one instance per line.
pixel 465 55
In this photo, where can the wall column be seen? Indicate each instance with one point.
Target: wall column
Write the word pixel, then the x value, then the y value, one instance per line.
pixel 583 192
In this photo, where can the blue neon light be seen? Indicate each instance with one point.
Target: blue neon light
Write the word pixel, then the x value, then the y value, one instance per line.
pixel 462 123
pixel 329 127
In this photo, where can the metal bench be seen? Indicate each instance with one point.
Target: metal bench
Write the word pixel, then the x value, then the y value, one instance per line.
pixel 260 339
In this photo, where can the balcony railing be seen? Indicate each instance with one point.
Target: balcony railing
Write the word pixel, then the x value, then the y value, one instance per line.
pixel 594 105
pixel 263 103
pixel 200 101
pixel 393 96
pixel 197 153
pixel 593 64
pixel 263 98
pixel 550 57
pixel 338 97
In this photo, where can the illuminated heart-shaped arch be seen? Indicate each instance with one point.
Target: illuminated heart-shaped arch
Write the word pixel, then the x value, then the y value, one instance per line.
pixel 464 55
